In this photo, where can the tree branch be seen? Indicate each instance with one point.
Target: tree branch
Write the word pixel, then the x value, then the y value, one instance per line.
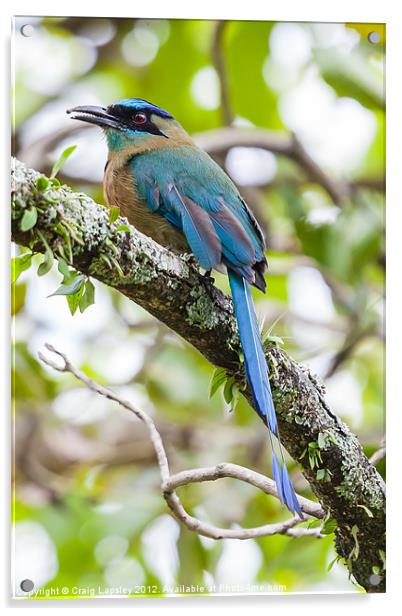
pixel 169 483
pixel 379 454
pixel 170 288
pixel 219 63
pixel 220 140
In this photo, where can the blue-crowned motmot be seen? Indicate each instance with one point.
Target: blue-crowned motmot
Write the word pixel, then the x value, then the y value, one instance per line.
pixel 175 193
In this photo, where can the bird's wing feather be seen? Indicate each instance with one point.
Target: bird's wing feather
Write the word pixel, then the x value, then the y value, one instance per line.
pixel 197 227
pixel 186 187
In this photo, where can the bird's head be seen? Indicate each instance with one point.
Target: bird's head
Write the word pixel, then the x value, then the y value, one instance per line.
pixel 133 124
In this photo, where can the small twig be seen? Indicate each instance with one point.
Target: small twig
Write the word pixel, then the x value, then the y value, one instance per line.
pixel 218 141
pixel 344 353
pixel 108 393
pixel 213 532
pixel 170 482
pixel 379 454
pixel 219 63
pixel 225 469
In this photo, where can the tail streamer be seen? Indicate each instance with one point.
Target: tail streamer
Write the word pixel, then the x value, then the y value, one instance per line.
pixel 257 378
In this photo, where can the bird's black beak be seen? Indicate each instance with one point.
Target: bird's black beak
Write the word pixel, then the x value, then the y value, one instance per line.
pixel 95 115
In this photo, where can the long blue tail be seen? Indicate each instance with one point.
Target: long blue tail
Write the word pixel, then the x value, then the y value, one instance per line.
pixel 257 377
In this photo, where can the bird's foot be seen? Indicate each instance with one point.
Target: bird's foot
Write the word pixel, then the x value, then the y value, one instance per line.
pixel 208 278
pixel 188 257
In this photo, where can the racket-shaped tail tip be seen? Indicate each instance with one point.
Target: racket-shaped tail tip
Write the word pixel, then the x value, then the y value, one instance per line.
pixel 291 500
pixel 286 492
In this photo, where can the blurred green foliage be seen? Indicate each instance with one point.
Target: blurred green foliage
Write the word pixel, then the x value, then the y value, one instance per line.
pixel 84 472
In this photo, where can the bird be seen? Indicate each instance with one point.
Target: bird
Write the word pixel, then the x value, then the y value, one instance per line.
pixel 174 192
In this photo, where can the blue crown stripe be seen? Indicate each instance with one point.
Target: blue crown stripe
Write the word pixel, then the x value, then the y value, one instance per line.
pixel 141 104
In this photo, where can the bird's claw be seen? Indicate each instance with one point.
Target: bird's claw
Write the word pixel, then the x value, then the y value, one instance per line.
pixel 208 278
pixel 188 257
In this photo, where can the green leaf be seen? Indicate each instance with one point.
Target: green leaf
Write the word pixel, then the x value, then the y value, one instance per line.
pixel 228 390
pixel 235 397
pixel 42 183
pixel 61 160
pixel 321 440
pixel 47 262
pixel 217 380
pixel 323 474
pixel 331 564
pixel 274 339
pixel 19 265
pixel 74 299
pixel 64 269
pixel 331 437
pixel 376 569
pixel 329 526
pixel 123 228
pixel 73 288
pixel 231 393
pixel 117 266
pixel 29 219
pixel 61 230
pixel 114 213
pixel 106 259
pixel 88 297
pixel 356 549
pixel 70 289
pixel 382 556
pixel 367 510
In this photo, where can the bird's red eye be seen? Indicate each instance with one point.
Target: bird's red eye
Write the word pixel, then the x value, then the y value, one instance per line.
pixel 140 118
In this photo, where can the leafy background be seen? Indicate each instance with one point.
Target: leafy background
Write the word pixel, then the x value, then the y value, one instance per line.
pixel 88 511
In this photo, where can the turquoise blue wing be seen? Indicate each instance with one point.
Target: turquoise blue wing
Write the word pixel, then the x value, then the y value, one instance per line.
pixel 190 190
